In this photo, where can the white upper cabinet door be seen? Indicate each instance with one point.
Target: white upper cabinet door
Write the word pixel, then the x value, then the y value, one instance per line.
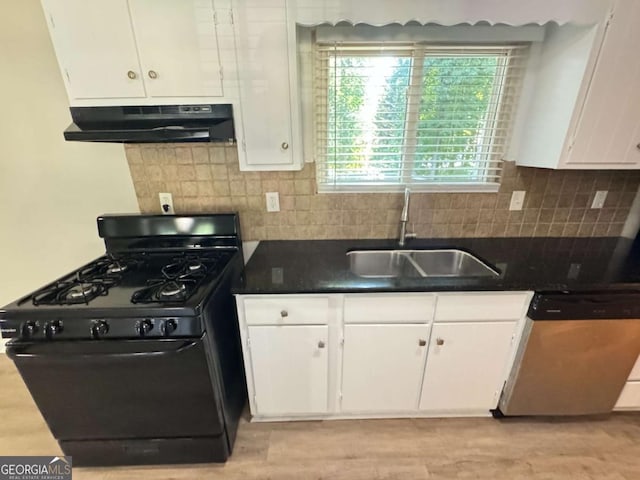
pixel 382 367
pixel 263 50
pixel 178 47
pixel 95 47
pixel 290 369
pixel 466 366
pixel 608 129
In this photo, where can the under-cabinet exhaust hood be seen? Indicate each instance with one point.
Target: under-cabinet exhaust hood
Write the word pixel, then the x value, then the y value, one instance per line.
pixel 152 124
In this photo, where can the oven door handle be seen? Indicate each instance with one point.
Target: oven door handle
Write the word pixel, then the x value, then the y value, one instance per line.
pixel 34 351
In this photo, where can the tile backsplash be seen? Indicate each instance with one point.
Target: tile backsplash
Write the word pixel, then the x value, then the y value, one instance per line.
pixel 207 178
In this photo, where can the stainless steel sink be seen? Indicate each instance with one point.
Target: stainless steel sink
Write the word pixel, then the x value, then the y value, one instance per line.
pixel 418 263
pixel 382 263
pixel 450 263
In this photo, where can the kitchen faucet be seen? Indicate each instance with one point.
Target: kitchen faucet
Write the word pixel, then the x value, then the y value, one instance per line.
pixel 404 218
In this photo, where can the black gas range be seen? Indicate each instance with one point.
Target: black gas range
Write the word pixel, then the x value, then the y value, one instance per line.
pixel 135 358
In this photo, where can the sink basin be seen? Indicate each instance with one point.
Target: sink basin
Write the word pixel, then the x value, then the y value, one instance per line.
pixel 450 263
pixel 418 263
pixel 382 263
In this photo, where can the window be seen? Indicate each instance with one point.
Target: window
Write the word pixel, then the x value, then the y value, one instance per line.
pixel 432 117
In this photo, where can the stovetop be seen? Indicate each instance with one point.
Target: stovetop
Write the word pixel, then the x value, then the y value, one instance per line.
pixel 129 284
pixel 160 274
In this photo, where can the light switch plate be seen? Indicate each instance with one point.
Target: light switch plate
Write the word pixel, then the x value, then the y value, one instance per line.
pixel 273 201
pixel 517 200
pixel 599 198
pixel 166 203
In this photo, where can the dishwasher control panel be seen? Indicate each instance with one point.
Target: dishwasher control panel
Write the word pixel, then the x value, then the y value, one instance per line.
pixel 584 305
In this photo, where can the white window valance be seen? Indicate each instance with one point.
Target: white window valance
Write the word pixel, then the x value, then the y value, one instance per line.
pixel 448 12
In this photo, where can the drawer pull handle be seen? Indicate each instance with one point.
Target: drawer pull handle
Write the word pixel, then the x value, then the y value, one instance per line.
pixel 284 313
pixel 422 342
pixel 132 75
pixel 153 74
pixel 439 341
pixel 320 344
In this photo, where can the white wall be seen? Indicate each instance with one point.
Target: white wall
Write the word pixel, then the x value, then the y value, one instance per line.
pixel 51 191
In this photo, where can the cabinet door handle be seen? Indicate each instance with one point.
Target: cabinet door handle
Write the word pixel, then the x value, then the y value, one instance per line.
pixel 439 341
pixel 320 344
pixel 132 75
pixel 638 146
pixel 284 145
pixel 422 342
pixel 153 74
pixel 284 313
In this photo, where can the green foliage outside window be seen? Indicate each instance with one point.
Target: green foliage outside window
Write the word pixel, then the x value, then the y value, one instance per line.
pixel 375 134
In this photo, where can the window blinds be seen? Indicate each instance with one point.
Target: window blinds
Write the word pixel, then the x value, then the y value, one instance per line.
pixel 426 116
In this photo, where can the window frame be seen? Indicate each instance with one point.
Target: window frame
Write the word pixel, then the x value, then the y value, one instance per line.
pixel 419 51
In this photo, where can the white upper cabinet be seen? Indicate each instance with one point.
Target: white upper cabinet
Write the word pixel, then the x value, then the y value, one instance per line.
pixel 135 49
pixel 96 48
pixel 266 52
pixel 584 100
pixel 178 47
pixel 608 129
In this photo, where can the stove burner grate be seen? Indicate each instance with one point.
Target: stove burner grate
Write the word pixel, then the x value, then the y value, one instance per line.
pixel 71 292
pixel 180 278
pixel 110 266
pixel 171 290
pixel 89 282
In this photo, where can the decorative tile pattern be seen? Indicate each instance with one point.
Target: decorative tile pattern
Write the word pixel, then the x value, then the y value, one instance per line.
pixel 206 178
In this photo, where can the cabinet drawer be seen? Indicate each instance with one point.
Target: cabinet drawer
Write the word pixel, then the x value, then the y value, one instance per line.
pixel 389 308
pixel 286 310
pixel 479 306
pixel 630 397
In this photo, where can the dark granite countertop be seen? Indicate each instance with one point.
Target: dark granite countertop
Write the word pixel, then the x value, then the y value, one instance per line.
pixel 321 266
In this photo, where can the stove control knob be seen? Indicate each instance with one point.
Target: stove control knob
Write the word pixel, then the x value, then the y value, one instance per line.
pixel 54 327
pixel 29 328
pixel 168 327
pixel 144 326
pixel 99 329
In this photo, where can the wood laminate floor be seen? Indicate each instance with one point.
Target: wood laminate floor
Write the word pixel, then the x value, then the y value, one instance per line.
pixel 602 449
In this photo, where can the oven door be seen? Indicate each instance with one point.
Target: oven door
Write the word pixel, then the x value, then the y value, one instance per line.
pixel 116 389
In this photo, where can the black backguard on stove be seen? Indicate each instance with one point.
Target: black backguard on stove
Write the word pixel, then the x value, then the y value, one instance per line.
pixel 143 232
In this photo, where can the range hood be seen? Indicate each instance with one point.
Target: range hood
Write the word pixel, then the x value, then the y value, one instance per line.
pixel 152 124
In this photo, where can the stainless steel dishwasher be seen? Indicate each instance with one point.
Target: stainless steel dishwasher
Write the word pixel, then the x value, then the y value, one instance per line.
pixel 576 353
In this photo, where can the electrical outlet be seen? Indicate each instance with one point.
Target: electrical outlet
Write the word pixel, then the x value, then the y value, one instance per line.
pixel 166 203
pixel 517 200
pixel 273 202
pixel 599 198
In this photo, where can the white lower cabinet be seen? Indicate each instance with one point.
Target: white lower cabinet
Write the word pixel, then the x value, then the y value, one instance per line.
pixel 382 367
pixel 379 354
pixel 290 369
pixel 466 365
pixel 630 395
